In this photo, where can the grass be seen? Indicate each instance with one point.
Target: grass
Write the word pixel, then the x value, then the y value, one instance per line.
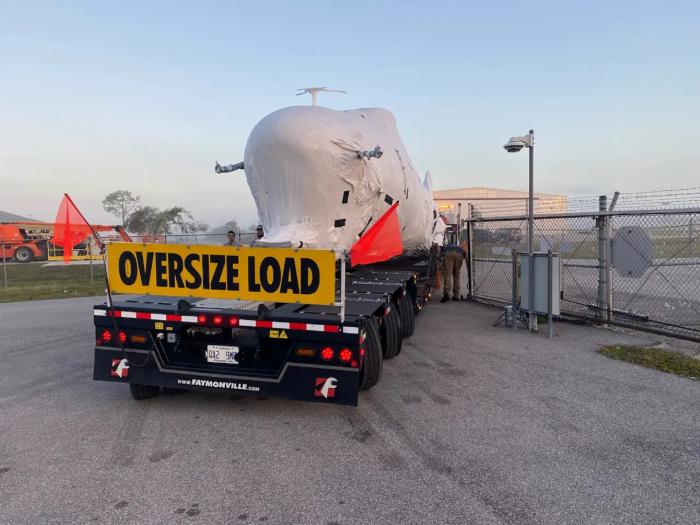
pixel 665 360
pixel 32 281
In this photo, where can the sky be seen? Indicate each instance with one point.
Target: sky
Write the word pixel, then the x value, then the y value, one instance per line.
pixel 146 96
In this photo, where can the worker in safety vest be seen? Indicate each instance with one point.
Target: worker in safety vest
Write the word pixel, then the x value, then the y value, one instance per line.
pixel 454 256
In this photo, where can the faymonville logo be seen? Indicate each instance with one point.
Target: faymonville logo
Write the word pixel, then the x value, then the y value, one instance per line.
pixel 219 384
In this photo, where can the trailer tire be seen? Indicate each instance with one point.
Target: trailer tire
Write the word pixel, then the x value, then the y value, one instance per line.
pixel 406 315
pixel 139 392
pixel 372 364
pixel 391 334
pixel 24 254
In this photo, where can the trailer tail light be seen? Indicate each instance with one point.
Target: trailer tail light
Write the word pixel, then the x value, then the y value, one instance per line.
pixel 327 353
pixel 122 336
pixel 345 355
pixel 106 336
pixel 217 320
pixel 233 321
pixel 305 352
pixel 353 363
pixel 201 319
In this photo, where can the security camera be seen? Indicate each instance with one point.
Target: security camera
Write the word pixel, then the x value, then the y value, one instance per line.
pixel 513 146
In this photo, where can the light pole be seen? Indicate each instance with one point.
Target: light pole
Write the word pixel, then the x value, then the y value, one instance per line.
pixel 514 145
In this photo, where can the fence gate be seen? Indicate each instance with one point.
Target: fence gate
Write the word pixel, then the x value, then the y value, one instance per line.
pixel 633 268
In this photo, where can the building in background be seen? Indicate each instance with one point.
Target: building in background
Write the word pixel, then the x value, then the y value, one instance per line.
pixel 493 202
pixel 6 216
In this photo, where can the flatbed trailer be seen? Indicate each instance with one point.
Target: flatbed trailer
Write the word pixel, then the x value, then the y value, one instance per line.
pixel 296 351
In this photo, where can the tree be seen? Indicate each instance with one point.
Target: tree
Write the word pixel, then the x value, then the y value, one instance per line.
pixel 121 203
pixel 162 222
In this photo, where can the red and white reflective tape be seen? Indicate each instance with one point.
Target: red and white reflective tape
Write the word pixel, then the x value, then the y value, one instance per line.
pixel 307 327
pixel 251 323
pixel 173 318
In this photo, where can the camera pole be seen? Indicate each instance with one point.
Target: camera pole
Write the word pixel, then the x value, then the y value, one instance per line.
pixel 532 317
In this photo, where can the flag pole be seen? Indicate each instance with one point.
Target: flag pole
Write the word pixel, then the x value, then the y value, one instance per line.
pixel 81 215
pixel 104 260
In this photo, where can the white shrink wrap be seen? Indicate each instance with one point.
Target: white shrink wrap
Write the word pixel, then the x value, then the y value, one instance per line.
pixel 312 189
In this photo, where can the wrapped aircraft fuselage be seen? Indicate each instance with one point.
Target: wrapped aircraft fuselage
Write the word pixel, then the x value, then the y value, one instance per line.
pixel 313 189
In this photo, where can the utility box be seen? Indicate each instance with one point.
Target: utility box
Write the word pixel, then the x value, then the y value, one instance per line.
pixel 542 280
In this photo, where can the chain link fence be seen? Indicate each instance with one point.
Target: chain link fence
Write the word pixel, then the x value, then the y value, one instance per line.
pixel 211 239
pixel 86 261
pixel 633 268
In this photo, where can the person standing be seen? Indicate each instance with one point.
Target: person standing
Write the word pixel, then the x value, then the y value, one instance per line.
pixel 231 238
pixel 454 256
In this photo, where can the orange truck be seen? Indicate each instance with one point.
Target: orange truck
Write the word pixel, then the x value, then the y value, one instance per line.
pixel 31 241
pixel 26 241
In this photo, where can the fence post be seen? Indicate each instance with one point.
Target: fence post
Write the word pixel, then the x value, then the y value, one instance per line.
pixel 550 322
pixel 4 263
pixel 89 254
pixel 608 246
pixel 690 237
pixel 470 278
pixel 601 223
pixel 514 310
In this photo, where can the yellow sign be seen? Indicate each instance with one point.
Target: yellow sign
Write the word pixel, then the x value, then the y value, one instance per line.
pixel 278 334
pixel 281 275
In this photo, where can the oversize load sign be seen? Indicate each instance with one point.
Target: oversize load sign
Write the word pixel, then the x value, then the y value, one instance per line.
pixel 279 275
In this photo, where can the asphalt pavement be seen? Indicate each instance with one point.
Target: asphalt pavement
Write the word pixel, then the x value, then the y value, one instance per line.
pixel 470 424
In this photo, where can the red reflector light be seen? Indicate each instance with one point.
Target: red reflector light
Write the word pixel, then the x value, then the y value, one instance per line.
pixel 201 318
pixel 218 320
pixel 233 321
pixel 353 364
pixel 327 353
pixel 122 337
pixel 106 336
pixel 345 355
pixel 362 352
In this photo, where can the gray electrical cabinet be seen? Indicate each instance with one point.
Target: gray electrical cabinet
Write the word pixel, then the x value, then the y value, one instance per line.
pixel 542 280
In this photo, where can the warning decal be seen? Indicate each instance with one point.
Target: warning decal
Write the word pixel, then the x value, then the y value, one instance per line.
pixel 282 275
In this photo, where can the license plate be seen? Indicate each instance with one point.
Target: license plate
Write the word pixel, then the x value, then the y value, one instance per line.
pixel 222 354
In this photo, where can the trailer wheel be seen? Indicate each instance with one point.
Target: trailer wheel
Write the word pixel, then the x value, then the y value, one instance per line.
pixel 406 316
pixel 139 392
pixel 373 361
pixel 391 334
pixel 23 254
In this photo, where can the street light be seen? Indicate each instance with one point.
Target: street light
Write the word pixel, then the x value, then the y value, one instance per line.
pixel 514 145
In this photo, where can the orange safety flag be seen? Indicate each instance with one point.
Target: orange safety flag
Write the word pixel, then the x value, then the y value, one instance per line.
pixel 381 242
pixel 71 227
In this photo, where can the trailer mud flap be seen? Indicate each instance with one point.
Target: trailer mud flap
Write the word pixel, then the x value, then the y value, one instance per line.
pixel 300 381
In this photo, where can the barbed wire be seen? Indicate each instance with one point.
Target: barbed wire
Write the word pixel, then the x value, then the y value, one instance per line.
pixel 626 201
